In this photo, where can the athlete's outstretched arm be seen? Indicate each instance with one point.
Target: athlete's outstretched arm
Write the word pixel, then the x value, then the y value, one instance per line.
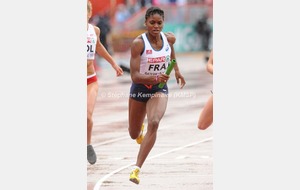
pixel 179 78
pixel 100 49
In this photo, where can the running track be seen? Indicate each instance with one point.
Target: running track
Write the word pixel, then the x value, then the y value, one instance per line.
pixel 182 156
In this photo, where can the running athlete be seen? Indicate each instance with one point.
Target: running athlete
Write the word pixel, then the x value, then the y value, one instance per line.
pixel 206 116
pixel 151 53
pixel 94 46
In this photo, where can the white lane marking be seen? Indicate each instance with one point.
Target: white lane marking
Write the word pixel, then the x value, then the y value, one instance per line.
pixel 117 158
pixel 99 183
pixel 111 141
pixel 205 157
pixel 127 136
pixel 179 148
pixel 104 178
pixel 181 157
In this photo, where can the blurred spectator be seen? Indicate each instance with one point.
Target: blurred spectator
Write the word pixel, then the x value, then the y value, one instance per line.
pixel 172 2
pixel 133 6
pixel 122 13
pixel 204 31
pixel 145 3
pixel 196 1
pixel 160 2
pixel 103 22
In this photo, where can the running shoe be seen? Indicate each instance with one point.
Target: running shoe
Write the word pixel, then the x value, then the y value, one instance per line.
pixel 134 176
pixel 91 155
pixel 140 138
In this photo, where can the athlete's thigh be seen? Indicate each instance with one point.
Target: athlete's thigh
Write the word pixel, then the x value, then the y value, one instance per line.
pixel 137 113
pixel 156 106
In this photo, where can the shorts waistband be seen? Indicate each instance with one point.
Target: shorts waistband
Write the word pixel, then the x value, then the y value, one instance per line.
pixel 92 75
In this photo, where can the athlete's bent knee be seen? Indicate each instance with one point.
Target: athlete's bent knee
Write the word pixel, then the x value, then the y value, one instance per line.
pixel 203 126
pixel 133 134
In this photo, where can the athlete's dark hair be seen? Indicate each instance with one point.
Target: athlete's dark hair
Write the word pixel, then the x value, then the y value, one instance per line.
pixel 154 10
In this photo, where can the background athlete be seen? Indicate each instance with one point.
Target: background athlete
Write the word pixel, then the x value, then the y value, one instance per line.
pixel 206 116
pixel 94 46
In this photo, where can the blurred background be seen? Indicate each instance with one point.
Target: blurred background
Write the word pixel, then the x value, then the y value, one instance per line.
pixel 121 21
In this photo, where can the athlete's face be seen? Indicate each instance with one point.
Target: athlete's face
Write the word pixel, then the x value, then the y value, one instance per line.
pixel 154 24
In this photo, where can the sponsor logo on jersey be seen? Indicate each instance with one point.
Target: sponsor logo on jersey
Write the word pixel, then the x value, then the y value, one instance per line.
pixel 157 59
pixel 90 40
pixel 148 51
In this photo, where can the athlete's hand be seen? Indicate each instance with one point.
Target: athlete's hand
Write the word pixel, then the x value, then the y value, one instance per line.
pixel 118 69
pixel 163 78
pixel 180 79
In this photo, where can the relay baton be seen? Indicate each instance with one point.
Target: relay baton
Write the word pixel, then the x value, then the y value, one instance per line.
pixel 169 69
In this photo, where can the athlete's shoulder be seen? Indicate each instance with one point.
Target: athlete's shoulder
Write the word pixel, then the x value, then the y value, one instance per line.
pixel 97 29
pixel 138 41
pixel 137 44
pixel 170 37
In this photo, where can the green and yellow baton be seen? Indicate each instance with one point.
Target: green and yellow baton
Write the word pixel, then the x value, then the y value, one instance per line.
pixel 169 69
